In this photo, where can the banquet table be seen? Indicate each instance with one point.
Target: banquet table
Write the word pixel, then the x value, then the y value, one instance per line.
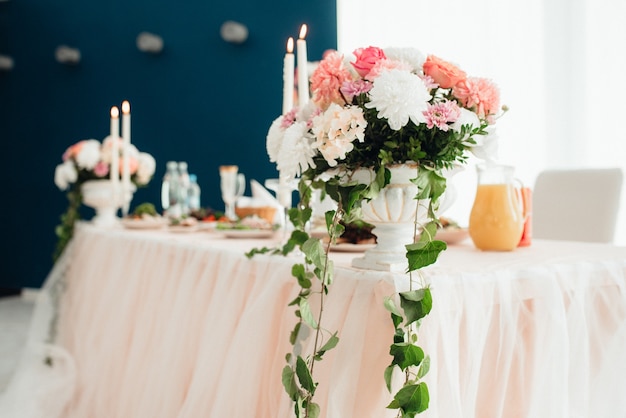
pixel 152 323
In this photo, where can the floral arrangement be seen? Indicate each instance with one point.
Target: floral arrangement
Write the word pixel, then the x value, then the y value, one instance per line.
pixel 386 107
pixel 89 159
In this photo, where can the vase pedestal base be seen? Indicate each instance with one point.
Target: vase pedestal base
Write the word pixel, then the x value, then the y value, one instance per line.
pixel 379 265
pixel 389 254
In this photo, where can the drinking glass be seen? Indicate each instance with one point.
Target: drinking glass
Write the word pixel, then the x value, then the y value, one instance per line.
pixel 232 185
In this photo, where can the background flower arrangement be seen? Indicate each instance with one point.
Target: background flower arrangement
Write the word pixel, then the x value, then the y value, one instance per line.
pixel 387 107
pixel 89 159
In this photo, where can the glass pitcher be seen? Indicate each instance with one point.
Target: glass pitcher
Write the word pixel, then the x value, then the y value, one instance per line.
pixel 497 217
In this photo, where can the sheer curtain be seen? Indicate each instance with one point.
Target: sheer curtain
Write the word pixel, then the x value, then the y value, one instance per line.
pixel 559 65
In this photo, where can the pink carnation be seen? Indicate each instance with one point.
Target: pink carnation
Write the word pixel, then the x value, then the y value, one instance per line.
pixel 366 59
pixel 442 113
pixel 328 78
pixel 443 72
pixel 351 89
pixel 289 118
pixel 101 169
pixel 478 94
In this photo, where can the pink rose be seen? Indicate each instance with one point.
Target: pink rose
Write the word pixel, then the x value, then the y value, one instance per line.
pixel 366 59
pixel 101 169
pixel 444 73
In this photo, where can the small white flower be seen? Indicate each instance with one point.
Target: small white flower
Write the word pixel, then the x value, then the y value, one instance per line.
pixel 89 154
pixel 399 96
pixel 336 129
pixel 64 174
pixel 296 153
pixel 413 57
pixel 146 165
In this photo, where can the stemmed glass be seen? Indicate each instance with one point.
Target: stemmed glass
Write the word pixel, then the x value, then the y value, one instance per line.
pixel 233 185
pixel 283 188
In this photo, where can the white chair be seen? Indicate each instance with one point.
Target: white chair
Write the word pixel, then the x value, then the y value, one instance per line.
pixel 577 205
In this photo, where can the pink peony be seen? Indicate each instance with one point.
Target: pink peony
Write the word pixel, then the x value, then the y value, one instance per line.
pixel 442 113
pixel 73 151
pixel 478 94
pixel 444 73
pixel 366 58
pixel 328 78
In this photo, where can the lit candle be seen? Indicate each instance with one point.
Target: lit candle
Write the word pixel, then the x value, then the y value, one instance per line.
pixel 288 70
pixel 303 76
pixel 115 162
pixel 125 155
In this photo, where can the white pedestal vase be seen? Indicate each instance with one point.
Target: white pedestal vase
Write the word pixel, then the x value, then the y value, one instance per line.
pixel 393 214
pixel 101 196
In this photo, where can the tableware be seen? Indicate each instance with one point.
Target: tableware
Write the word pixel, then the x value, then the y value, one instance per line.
pixel 452 235
pixel 232 185
pixel 248 233
pixel 144 223
pixel 346 247
pixel 183 228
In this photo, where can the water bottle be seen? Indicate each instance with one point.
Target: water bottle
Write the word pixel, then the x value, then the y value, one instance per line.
pixel 183 190
pixel 168 186
pixel 193 194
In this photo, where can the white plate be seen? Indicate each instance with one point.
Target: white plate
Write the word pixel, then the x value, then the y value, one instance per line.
pixel 183 228
pixel 346 247
pixel 452 235
pixel 247 233
pixel 145 223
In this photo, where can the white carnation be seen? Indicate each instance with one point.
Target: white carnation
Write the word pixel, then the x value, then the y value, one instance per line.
pixel 64 174
pixel 89 154
pixel 274 139
pixel 413 57
pixel 296 153
pixel 399 96
pixel 146 165
pixel 486 147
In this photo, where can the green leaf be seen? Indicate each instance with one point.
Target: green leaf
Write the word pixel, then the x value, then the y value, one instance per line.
pixel 416 304
pixel 422 254
pixel 430 184
pixel 306 314
pixel 304 376
pixel 293 336
pixel 424 367
pixel 411 399
pixel 390 305
pixel 314 251
pixel 313 410
pixel 406 355
pixel 330 344
pixel 289 382
pixel 389 375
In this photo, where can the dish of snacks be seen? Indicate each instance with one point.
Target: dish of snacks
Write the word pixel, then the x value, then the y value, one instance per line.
pixel 450 232
pixel 144 216
pixel 249 227
pixel 183 224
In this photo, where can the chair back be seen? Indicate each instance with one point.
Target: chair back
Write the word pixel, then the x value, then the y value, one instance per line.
pixel 577 205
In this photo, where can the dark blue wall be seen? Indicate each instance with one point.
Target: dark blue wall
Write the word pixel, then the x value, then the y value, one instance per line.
pixel 202 100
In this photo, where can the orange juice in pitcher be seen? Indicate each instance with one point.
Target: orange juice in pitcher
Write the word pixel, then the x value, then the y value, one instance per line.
pixel 496 221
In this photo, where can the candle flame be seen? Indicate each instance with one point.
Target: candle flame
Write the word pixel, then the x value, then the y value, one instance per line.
pixel 125 107
pixel 115 112
pixel 303 31
pixel 290 45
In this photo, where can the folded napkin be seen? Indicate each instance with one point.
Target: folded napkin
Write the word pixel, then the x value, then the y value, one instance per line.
pixel 262 197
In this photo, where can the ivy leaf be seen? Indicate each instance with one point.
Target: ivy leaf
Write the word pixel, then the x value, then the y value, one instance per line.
pixel 422 254
pixel 304 376
pixel 406 355
pixel 411 399
pixel 424 367
pixel 390 305
pixel 330 344
pixel 416 304
pixel 388 375
pixel 430 185
pixel 306 314
pixel 298 271
pixel 289 382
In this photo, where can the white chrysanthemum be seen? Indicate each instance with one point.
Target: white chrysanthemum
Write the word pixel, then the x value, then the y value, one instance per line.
pixel 296 153
pixel 274 139
pixel 413 57
pixel 399 96
pixel 336 129
pixel 146 165
pixel 64 174
pixel 89 154
pixel 486 147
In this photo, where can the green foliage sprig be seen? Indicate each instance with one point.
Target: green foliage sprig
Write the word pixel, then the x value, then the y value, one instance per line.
pixel 65 230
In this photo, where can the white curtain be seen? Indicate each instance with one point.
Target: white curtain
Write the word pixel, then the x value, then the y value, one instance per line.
pixel 559 64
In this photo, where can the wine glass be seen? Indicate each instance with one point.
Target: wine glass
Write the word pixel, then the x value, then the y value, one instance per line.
pixel 232 185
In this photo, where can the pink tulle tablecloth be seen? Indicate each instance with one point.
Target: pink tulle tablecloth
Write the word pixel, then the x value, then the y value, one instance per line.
pixel 163 325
